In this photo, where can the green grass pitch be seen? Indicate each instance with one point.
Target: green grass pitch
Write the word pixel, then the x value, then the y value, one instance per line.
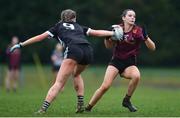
pixel 157 95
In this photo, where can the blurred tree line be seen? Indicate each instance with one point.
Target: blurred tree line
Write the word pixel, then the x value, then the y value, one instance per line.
pixel 27 18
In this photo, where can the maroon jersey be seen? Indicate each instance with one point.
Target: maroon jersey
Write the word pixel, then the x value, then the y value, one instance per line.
pixel 14 58
pixel 130 45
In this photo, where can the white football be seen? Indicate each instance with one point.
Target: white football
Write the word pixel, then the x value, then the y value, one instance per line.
pixel 118 33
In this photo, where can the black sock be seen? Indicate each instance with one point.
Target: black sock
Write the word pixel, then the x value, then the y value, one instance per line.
pixel 45 105
pixel 89 107
pixel 80 100
pixel 127 97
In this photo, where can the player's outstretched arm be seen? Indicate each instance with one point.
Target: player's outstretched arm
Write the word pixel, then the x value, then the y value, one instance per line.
pixel 30 41
pixel 35 39
pixel 116 34
pixel 100 33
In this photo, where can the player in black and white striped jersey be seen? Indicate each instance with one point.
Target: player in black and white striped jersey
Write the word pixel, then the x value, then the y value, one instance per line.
pixel 77 56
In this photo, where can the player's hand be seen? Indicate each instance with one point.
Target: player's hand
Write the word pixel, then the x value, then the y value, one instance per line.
pixel 17 46
pixel 118 33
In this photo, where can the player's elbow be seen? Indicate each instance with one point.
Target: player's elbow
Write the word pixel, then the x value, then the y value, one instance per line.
pixel 152 47
pixel 150 44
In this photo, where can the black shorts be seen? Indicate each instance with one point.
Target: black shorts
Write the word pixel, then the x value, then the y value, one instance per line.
pixel 121 64
pixel 81 53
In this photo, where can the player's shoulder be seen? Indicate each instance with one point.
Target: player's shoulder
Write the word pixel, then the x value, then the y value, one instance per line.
pixel 84 27
pixel 56 25
pixel 137 29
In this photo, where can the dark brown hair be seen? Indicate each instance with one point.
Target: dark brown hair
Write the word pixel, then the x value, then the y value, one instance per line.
pixel 125 12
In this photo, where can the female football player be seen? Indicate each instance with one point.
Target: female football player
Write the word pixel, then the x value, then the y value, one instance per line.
pixel 123 61
pixel 14 66
pixel 77 56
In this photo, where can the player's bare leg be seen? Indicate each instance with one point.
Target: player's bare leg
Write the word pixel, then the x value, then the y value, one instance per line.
pixel 79 87
pixel 11 78
pixel 133 74
pixel 110 75
pixel 65 71
pixel 54 80
pixel 8 81
pixel 15 80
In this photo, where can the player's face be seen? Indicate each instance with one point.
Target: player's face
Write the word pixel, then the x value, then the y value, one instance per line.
pixel 130 18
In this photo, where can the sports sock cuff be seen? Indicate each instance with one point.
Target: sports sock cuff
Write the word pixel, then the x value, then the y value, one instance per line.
pixel 127 97
pixel 80 99
pixel 80 96
pixel 45 105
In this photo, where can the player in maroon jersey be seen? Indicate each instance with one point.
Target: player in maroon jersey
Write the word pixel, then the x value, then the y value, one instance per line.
pixel 123 61
pixel 13 65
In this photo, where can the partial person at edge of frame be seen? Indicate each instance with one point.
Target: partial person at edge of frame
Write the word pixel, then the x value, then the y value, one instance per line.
pixel 14 64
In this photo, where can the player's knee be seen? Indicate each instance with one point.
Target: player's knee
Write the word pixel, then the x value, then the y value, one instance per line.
pixel 136 77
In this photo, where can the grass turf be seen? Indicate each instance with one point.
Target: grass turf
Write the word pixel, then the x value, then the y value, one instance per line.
pixel 156 96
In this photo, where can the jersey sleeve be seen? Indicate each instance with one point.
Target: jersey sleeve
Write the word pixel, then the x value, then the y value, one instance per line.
pixel 53 31
pixel 141 35
pixel 86 30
